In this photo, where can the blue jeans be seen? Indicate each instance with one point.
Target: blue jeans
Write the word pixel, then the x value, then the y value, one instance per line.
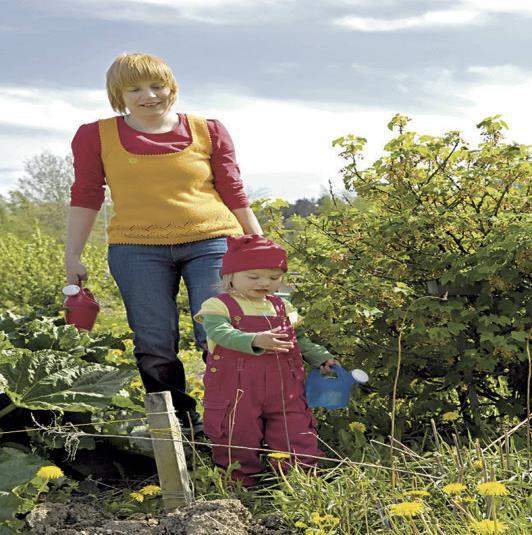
pixel 148 278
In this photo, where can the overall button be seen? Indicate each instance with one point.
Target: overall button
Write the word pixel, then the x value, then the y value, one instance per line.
pixel 213 370
pixel 216 357
pixel 237 318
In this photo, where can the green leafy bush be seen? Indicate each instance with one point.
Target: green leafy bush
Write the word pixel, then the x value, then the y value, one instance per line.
pixel 32 274
pixel 432 260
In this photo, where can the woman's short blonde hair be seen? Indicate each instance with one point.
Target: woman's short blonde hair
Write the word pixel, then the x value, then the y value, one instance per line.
pixel 129 69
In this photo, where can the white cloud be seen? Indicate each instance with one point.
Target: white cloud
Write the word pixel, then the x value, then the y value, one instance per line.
pixel 170 11
pixel 459 13
pixel 500 6
pixel 49 109
pixel 427 20
pixel 508 74
pixel 282 146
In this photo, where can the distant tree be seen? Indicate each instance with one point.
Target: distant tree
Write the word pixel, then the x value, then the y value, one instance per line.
pixel 47 178
pixel 41 199
pixel 302 207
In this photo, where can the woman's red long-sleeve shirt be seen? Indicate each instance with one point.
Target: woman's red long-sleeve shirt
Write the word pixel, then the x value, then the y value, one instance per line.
pixel 88 191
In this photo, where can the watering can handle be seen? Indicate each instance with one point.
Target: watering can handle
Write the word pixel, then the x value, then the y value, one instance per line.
pixel 340 371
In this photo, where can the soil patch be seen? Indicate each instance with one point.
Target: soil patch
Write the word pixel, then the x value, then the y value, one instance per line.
pixel 217 517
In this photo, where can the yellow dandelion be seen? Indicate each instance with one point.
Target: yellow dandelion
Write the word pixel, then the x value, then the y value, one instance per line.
pixel 485 527
pixel 421 493
pixel 330 520
pixel 315 518
pixel 478 465
pixel 150 490
pixel 465 499
pixel 135 383
pixel 454 488
pixel 406 508
pixel 50 472
pixel 279 455
pixel 450 416
pixel 137 496
pixel 492 488
pixel 357 426
pixel 197 393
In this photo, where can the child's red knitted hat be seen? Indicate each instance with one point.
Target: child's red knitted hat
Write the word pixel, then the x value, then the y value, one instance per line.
pixel 252 252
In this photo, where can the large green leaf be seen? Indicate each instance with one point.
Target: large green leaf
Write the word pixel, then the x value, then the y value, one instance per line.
pixel 49 380
pixel 16 468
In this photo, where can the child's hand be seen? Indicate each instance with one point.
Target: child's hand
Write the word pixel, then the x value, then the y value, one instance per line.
pixel 272 340
pixel 326 366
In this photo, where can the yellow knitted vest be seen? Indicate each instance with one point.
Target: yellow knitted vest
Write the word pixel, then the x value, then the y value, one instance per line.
pixel 163 199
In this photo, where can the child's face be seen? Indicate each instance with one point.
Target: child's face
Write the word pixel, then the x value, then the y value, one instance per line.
pixel 257 283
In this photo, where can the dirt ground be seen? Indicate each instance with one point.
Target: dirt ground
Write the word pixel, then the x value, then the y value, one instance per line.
pixel 217 517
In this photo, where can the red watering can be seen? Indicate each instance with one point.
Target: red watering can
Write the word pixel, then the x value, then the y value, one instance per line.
pixel 81 307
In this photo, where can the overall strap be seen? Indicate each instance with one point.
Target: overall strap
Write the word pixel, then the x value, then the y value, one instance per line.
pixel 235 311
pixel 278 305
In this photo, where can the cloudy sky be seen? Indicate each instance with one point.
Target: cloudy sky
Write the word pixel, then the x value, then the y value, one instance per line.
pixel 285 76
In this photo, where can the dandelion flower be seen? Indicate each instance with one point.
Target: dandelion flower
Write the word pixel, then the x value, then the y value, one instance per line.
pixel 50 472
pixel 465 499
pixel 420 493
pixel 357 426
pixel 326 519
pixel 150 490
pixel 135 383
pixel 279 455
pixel 492 488
pixel 315 518
pixel 137 496
pixel 485 527
pixel 197 393
pixel 450 416
pixel 407 508
pixel 454 488
pixel 330 520
pixel 478 465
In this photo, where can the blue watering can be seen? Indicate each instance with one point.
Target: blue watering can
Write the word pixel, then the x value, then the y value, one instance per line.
pixel 332 392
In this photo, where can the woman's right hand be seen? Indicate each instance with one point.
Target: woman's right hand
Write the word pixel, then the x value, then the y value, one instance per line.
pixel 75 271
pixel 272 340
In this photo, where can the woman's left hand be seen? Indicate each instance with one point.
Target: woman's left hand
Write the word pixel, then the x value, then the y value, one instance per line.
pixel 326 366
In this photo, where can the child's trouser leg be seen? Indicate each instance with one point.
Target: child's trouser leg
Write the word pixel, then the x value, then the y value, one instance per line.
pixel 289 422
pixel 293 430
pixel 228 427
pixel 232 417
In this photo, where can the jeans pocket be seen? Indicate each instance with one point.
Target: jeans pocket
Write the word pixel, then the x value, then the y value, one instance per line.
pixel 215 417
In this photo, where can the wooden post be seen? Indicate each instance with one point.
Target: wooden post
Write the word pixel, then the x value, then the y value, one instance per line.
pixel 169 454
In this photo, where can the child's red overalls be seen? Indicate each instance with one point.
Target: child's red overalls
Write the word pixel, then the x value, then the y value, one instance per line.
pixel 249 398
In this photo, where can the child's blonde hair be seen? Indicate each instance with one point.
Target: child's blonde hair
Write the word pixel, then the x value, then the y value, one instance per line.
pixel 227 282
pixel 129 69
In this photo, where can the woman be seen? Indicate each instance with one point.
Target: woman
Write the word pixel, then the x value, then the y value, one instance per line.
pixel 176 194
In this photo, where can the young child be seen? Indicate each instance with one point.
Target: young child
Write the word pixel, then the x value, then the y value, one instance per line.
pixel 254 377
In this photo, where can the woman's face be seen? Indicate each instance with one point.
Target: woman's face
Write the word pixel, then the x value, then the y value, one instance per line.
pixel 147 100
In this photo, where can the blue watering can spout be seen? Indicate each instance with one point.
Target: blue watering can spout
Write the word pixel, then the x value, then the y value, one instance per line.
pixel 332 392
